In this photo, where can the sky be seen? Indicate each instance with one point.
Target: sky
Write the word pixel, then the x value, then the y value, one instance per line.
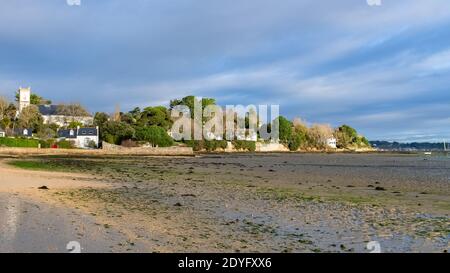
pixel 384 70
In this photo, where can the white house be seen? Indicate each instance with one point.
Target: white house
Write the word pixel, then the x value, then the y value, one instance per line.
pixel 332 143
pixel 82 137
pixel 50 113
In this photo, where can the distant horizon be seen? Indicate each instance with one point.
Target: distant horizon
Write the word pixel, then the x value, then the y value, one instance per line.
pixel 383 70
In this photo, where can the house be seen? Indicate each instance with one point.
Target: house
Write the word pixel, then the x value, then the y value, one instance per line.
pixel 81 137
pixel 2 133
pixel 23 132
pixel 332 143
pixel 51 113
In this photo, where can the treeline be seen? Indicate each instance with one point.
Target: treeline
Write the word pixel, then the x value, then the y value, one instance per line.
pixel 297 135
pixel 421 146
pixel 151 125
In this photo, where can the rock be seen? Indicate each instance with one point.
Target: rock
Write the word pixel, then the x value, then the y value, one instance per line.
pixel 178 204
pixel 380 189
pixel 189 195
pixel 43 188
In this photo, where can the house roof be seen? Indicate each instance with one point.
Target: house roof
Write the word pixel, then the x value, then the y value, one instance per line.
pixel 74 133
pixel 48 110
pixel 87 132
pixel 24 132
pixel 68 133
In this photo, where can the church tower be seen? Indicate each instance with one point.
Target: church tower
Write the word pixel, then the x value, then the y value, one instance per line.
pixel 24 98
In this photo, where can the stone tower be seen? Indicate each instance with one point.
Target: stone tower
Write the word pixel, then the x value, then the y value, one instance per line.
pixel 24 98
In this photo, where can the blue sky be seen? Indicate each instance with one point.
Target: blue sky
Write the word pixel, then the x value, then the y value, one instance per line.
pixel 383 69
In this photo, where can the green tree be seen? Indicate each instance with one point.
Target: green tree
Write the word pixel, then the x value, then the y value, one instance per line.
pixel 346 136
pixel 189 101
pixel 158 115
pixel 46 132
pixel 115 132
pixel 35 99
pixel 74 124
pixel 295 141
pixel 100 118
pixel 285 130
pixel 155 135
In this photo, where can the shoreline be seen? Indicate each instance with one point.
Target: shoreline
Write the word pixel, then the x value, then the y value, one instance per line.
pixel 175 152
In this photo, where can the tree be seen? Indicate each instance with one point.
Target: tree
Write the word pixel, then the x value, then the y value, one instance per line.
pixel 100 118
pixel 46 132
pixel 295 142
pixel 117 114
pixel 299 134
pixel 189 101
pixel 30 117
pixel 136 112
pixel 285 130
pixel 159 116
pixel 115 132
pixel 154 135
pixel 74 124
pixel 318 135
pixel 3 106
pixel 72 110
pixel 346 136
pixel 9 116
pixel 35 99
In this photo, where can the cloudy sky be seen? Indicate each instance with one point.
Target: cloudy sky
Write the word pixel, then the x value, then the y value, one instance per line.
pixel 383 69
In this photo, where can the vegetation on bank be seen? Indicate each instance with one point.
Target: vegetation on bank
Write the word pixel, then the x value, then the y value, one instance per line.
pixel 297 135
pixel 18 142
pixel 150 126
pixel 34 143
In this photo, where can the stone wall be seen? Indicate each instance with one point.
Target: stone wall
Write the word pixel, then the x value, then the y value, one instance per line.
pixel 174 150
pixel 271 147
pixel 110 150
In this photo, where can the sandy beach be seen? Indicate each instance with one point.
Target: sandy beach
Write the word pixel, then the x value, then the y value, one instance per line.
pixel 226 203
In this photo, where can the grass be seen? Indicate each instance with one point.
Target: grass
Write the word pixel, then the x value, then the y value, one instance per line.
pixel 36 165
pixel 282 194
pixel 19 142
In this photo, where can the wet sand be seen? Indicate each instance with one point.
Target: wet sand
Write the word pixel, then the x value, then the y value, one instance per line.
pixel 248 202
pixel 36 227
